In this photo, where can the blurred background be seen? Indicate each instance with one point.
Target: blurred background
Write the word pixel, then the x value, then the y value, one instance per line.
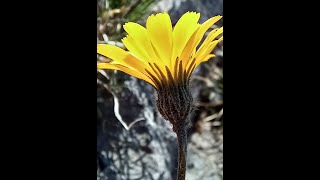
pixel 133 141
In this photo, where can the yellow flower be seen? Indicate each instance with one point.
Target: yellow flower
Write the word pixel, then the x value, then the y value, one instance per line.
pixel 162 55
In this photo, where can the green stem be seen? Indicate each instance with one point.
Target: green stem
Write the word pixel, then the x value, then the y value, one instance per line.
pixel 182 152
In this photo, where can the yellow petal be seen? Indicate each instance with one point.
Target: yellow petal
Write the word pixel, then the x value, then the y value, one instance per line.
pixel 212 35
pixel 197 36
pixel 203 55
pixel 136 49
pixel 204 46
pixel 209 56
pixel 205 26
pixel 160 33
pixel 138 42
pixel 182 32
pixel 120 56
pixel 197 63
pixel 188 50
pixel 124 69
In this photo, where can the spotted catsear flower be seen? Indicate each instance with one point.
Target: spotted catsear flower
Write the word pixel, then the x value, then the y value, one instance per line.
pixel 165 57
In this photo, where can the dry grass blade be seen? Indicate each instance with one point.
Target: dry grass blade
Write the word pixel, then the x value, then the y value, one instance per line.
pixel 116 108
pixel 103 73
pixel 216 116
pixel 118 116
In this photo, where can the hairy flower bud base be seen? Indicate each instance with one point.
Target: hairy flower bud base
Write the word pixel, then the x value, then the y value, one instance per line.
pixel 175 104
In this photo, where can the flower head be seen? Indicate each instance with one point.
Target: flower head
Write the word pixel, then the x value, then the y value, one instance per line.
pixel 162 55
pixel 165 57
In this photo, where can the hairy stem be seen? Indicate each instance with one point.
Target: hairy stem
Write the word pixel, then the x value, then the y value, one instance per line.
pixel 182 152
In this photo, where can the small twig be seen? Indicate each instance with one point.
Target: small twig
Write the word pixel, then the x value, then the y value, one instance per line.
pixel 135 121
pixel 118 116
pixel 215 116
pixel 116 109
pixel 209 118
pixel 107 41
pixel 105 38
pixel 116 106
pixel 104 74
pixel 220 115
